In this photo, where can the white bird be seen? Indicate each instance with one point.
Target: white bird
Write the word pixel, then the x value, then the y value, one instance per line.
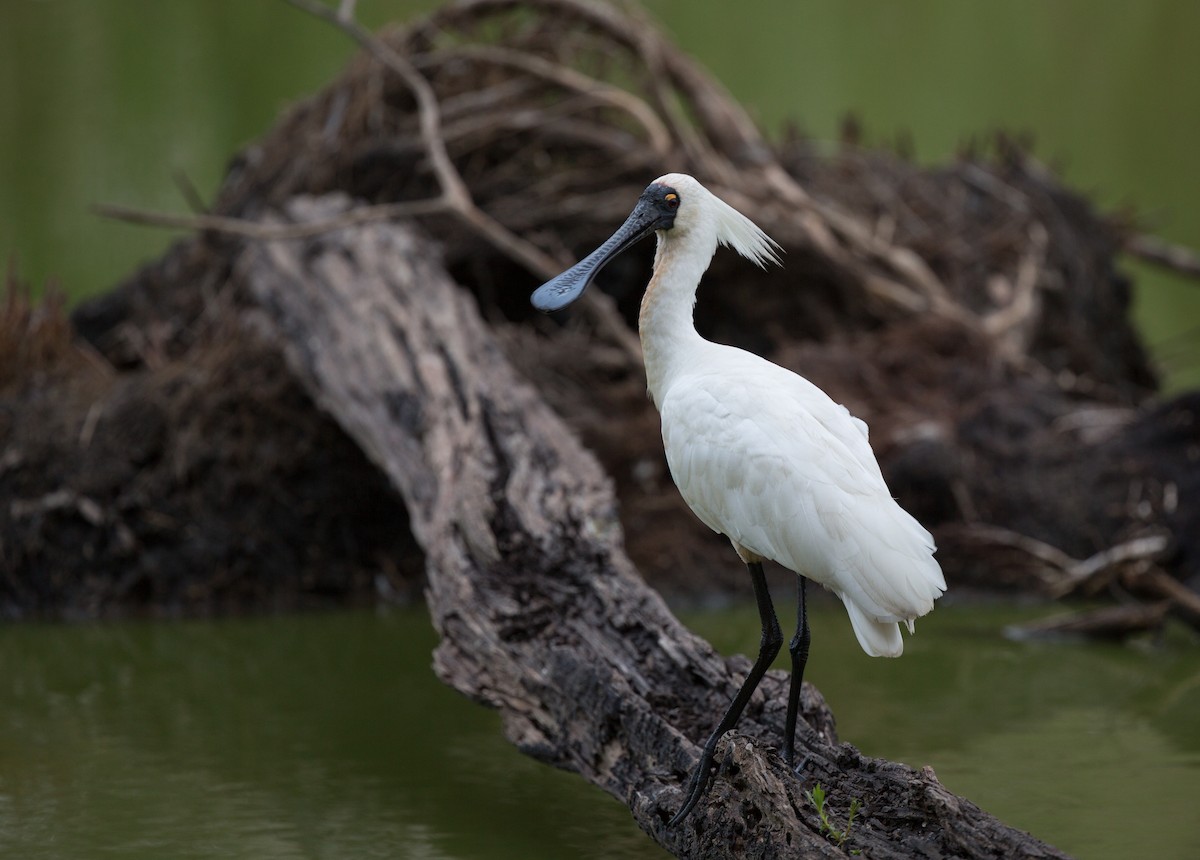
pixel 761 454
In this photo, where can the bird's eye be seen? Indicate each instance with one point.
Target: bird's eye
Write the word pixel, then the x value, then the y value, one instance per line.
pixel 672 201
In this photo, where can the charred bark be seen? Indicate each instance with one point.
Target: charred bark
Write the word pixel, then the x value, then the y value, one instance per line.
pixel 541 614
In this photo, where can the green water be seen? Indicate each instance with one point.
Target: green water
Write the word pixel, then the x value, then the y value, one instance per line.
pixel 318 736
pixel 104 100
pixel 328 736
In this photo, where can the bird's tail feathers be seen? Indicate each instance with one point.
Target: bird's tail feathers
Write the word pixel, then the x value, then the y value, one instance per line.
pixel 877 638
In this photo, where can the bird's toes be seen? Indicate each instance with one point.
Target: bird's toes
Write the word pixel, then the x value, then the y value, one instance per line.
pixel 798 769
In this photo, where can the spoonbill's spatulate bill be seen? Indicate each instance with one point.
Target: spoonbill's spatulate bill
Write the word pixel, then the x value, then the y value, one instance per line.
pixel 761 454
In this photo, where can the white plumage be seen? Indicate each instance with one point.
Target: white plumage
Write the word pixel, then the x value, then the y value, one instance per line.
pixel 761 454
pixel 765 457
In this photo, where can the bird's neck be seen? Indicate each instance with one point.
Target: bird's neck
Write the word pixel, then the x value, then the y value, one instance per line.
pixel 668 333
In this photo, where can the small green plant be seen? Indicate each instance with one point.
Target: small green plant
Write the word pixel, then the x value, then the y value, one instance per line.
pixel 816 796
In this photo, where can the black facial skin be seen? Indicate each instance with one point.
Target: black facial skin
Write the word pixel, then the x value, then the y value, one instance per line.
pixel 655 210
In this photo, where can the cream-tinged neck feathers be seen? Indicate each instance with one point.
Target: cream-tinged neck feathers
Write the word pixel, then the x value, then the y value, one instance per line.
pixel 702 223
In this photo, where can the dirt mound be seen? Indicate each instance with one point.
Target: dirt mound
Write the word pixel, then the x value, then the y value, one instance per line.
pixel 208 483
pixel 973 314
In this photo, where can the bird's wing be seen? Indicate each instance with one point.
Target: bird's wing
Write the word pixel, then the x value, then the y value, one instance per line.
pixel 768 459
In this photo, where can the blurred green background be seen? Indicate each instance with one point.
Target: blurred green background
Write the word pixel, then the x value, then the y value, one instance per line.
pixel 106 100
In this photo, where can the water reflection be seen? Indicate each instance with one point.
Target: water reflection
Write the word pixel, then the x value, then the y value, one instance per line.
pixel 271 738
pixel 328 736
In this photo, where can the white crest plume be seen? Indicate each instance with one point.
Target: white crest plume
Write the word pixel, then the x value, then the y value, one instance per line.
pixel 736 231
pixel 733 229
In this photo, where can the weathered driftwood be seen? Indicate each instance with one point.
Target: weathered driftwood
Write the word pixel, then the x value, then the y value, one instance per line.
pixel 1109 622
pixel 541 614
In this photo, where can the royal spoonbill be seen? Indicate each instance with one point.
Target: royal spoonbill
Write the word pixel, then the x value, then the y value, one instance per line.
pixel 761 454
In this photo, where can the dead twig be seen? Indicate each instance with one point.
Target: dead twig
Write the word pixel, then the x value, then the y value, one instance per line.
pixel 1181 597
pixel 187 188
pixel 1014 323
pixel 454 190
pixel 597 91
pixel 1177 258
pixel 1109 622
pixel 1080 573
pixel 1054 560
pixel 1062 574
pixel 268 231
pixel 721 143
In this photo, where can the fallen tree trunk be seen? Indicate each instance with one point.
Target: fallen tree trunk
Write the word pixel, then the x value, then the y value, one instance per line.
pixel 541 614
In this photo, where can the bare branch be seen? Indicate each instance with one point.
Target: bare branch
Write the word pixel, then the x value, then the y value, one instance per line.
pixel 1013 324
pixel 454 190
pixel 267 232
pixel 1063 574
pixel 570 79
pixel 1178 258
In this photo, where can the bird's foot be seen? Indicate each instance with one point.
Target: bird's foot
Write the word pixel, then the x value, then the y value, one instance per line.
pixel 701 781
pixel 797 769
pixel 789 747
pixel 698 786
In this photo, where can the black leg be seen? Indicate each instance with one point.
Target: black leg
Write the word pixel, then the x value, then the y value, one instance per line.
pixel 798 648
pixel 768 648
